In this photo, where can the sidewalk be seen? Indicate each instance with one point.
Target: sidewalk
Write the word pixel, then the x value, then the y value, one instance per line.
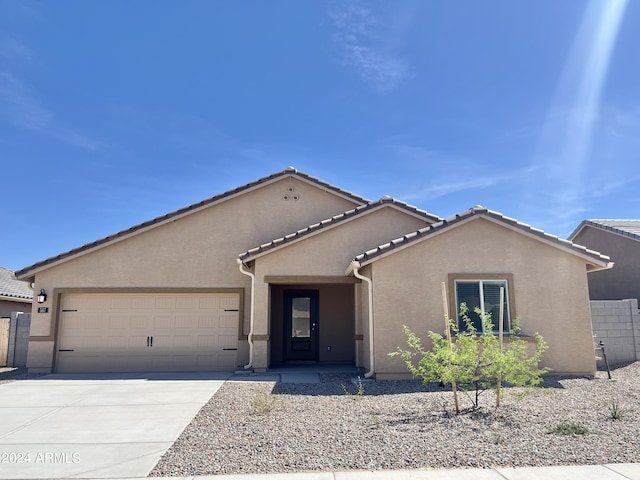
pixel 621 471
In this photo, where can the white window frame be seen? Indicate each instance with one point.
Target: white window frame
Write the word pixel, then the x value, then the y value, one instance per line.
pixel 480 281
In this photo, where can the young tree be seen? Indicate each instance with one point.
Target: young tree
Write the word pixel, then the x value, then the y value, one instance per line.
pixel 474 360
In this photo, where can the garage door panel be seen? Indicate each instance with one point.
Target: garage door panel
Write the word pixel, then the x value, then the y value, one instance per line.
pixel 187 303
pixel 207 321
pixel 222 361
pixel 186 321
pixel 163 342
pixel 164 322
pixel 121 302
pixel 142 302
pixel 125 343
pixel 165 303
pixel 227 341
pixel 119 322
pixel 140 322
pixel 228 321
pixel 147 332
pixel 225 362
pixel 83 343
pixel 207 341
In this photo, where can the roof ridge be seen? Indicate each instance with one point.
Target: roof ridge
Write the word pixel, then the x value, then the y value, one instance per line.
pixel 334 220
pixel 476 210
pixel 619 229
pixel 424 213
pixel 189 208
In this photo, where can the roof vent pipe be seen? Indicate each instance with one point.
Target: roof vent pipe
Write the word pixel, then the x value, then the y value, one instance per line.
pixel 241 266
pixel 355 266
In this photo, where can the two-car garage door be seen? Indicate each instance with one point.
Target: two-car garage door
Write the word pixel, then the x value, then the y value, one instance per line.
pixel 144 332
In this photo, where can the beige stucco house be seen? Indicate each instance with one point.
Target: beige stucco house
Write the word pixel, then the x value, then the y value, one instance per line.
pixel 291 269
pixel 15 296
pixel 621 240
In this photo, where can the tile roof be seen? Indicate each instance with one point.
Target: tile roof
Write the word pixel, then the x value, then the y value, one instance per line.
pixel 435 228
pixel 123 233
pixel 627 228
pixel 12 288
pixel 335 220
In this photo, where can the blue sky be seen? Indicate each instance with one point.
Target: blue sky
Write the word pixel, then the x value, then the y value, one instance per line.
pixel 115 112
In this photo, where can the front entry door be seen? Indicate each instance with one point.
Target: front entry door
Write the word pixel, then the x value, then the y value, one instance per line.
pixel 301 325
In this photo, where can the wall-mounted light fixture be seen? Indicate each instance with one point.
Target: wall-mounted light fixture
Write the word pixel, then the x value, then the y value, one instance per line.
pixel 42 297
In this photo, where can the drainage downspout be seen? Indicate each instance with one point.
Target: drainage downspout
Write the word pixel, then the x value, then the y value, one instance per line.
pixel 355 266
pixel 253 292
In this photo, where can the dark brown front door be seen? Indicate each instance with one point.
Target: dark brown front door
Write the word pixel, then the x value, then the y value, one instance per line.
pixel 301 325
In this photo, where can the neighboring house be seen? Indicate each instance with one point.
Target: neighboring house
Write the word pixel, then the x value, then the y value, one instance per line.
pixel 15 296
pixel 292 269
pixel 621 240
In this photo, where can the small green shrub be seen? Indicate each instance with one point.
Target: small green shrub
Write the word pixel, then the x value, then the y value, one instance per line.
pixel 263 403
pixel 375 420
pixel 615 410
pixel 497 439
pixel 359 392
pixel 569 428
pixel 474 360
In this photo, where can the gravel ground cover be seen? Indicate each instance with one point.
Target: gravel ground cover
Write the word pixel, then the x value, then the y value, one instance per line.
pixel 264 427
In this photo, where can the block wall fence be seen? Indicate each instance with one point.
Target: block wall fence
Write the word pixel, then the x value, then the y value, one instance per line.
pixel 617 324
pixel 18 339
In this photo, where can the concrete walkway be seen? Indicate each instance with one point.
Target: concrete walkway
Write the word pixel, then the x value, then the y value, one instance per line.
pixel 626 471
pixel 96 426
pixel 592 472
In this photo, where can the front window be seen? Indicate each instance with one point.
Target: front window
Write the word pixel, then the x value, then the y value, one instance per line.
pixel 484 295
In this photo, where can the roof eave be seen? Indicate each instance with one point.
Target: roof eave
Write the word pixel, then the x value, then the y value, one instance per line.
pixel 577 230
pixel 13 298
pixel 28 273
pixel 595 259
pixel 593 267
pixel 333 222
pixel 604 228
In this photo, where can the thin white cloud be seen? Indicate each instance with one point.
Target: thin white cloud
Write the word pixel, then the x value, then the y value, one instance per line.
pixel 23 110
pixel 438 167
pixel 13 50
pixel 442 186
pixel 21 107
pixel 357 34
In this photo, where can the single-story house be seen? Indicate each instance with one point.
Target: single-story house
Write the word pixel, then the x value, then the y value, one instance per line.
pixel 621 240
pixel 15 295
pixel 290 269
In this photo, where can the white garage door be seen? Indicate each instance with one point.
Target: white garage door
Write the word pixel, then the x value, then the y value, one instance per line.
pixel 129 332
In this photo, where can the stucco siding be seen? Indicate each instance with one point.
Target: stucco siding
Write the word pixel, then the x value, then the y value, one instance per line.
pixel 623 280
pixel 328 253
pixel 549 286
pixel 194 251
pixel 9 306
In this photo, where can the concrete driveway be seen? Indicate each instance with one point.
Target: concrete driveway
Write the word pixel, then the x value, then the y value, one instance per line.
pixel 96 426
